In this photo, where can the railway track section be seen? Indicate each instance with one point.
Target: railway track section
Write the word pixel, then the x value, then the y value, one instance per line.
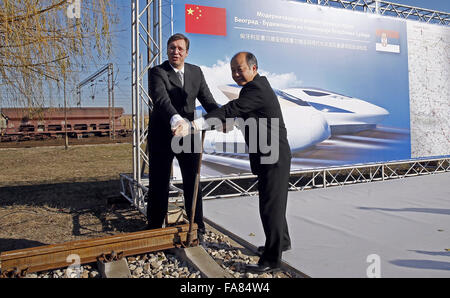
pixel 18 263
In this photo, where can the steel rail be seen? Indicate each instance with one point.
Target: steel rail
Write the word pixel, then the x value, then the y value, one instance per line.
pixel 22 261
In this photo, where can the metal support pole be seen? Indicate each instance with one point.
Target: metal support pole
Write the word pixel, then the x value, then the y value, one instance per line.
pixel 135 84
pixel 111 96
pixel 109 104
pixel 171 17
pixel 194 196
pixel 66 138
pixel 111 113
pixel 160 43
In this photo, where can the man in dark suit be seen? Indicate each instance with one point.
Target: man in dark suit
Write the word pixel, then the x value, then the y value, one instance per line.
pixel 258 101
pixel 174 86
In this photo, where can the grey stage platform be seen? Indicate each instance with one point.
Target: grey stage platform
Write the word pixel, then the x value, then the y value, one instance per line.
pixel 405 222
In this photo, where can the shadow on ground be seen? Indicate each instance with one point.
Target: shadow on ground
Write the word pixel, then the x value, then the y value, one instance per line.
pixel 34 215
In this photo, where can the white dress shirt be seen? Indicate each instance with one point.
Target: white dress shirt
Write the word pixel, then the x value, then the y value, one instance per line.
pixel 175 118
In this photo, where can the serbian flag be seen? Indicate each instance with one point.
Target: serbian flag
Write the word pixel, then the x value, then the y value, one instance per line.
pixel 389 41
pixel 206 19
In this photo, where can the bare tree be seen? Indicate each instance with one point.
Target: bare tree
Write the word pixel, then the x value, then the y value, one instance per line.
pixel 43 41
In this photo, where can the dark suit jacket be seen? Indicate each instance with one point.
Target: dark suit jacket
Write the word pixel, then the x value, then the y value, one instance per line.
pixel 257 100
pixel 170 98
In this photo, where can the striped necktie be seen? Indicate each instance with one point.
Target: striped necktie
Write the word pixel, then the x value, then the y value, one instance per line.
pixel 180 77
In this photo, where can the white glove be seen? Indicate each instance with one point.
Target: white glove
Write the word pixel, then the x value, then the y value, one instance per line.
pixel 181 128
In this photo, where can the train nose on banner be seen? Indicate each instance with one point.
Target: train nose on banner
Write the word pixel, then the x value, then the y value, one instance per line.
pixel 306 127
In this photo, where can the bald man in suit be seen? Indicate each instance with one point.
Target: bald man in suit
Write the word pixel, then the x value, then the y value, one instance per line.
pixel 258 101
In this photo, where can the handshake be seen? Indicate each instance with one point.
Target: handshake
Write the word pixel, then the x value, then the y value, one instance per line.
pixel 183 128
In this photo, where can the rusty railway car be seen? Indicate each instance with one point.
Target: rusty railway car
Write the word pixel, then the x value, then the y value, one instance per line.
pixel 127 121
pixel 19 124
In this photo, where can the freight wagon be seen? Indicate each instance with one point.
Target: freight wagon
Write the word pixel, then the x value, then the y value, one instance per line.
pixel 127 121
pixel 18 124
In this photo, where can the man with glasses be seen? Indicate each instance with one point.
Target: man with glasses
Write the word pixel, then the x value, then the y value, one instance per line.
pixel 174 86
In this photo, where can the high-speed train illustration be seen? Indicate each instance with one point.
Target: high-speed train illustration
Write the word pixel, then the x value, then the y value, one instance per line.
pixel 311 116
pixel 306 126
pixel 343 113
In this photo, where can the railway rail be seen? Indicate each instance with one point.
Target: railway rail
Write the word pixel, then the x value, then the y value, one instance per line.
pixel 149 261
pixel 18 263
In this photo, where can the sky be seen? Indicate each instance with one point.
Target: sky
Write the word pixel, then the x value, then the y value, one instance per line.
pixel 440 5
pixel 95 94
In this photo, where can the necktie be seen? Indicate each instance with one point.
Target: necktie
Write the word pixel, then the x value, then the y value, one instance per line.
pixel 180 76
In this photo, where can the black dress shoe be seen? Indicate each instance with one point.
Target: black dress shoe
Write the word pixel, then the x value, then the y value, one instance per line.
pixel 200 238
pixel 260 249
pixel 201 235
pixel 257 268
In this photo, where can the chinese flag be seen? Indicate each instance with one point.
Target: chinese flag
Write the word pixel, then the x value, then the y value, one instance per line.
pixel 206 19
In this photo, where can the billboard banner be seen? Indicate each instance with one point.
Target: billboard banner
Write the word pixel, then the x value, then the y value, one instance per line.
pixel 341 78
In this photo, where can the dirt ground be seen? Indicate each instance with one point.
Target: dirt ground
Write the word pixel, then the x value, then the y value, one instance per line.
pixel 51 195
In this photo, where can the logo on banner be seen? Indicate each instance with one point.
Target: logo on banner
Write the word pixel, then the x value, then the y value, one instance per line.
pixel 389 41
pixel 206 20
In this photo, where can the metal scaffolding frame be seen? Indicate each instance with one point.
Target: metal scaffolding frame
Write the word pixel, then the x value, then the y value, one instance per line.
pixel 247 184
pixel 152 19
pixel 147 29
pixel 387 8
